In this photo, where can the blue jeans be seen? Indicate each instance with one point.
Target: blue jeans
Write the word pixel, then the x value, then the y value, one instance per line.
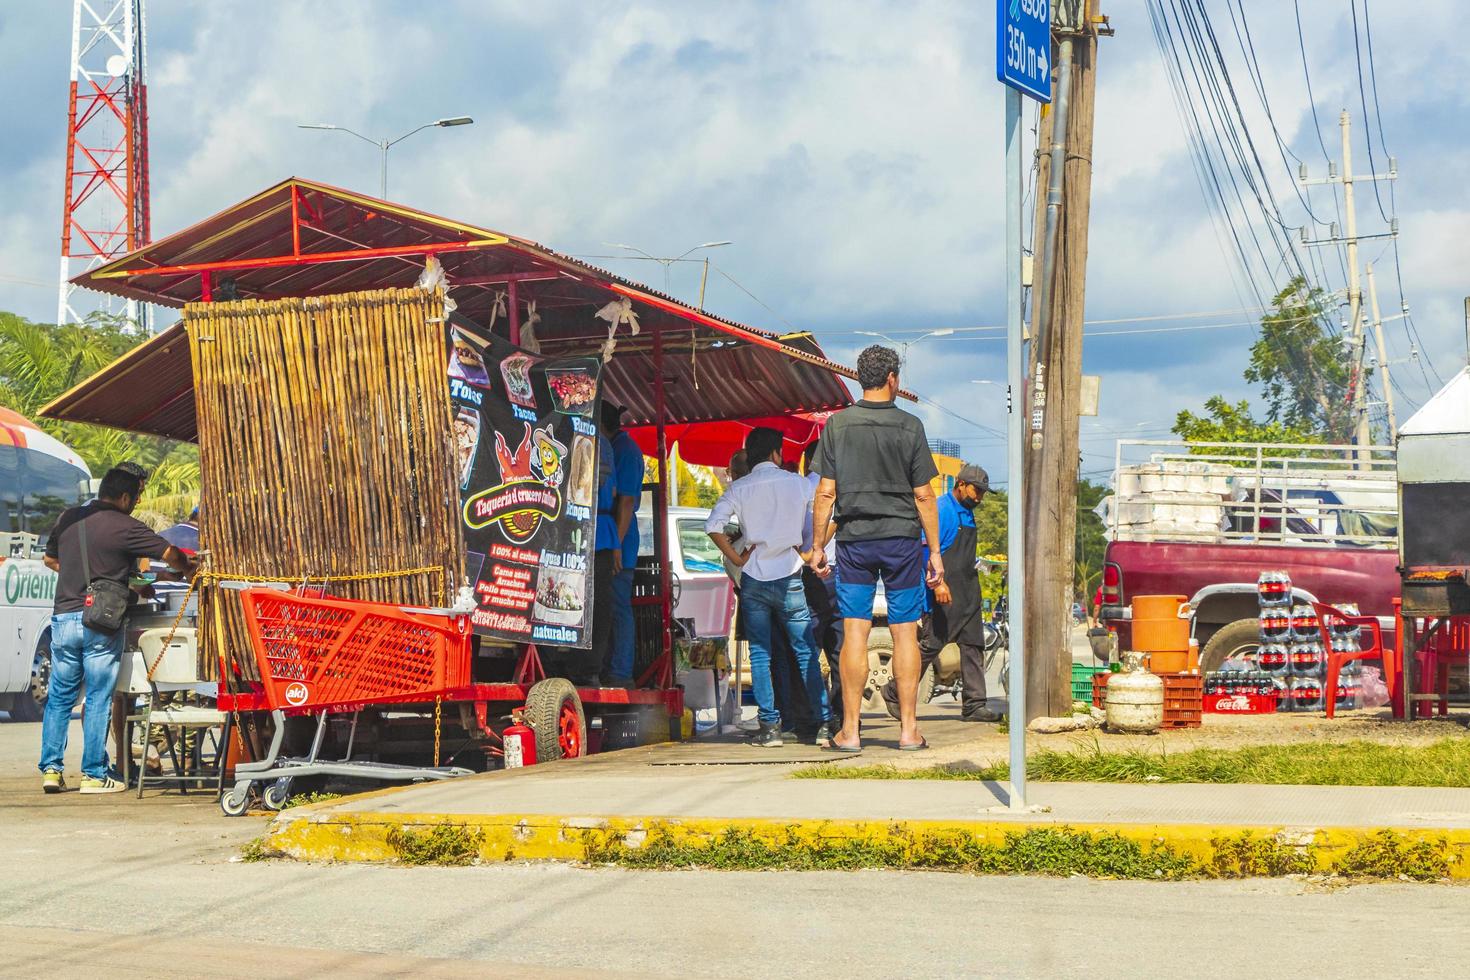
pixel 620 665
pixel 770 606
pixel 79 655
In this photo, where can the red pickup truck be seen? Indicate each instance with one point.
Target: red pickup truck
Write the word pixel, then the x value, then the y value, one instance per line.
pixel 1204 520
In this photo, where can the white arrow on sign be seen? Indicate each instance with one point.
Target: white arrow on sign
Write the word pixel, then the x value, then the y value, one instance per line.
pixel 1041 63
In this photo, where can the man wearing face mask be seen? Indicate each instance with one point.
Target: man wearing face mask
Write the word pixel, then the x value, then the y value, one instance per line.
pixel 960 620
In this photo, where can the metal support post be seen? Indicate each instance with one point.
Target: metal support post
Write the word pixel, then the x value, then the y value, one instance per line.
pixel 1015 456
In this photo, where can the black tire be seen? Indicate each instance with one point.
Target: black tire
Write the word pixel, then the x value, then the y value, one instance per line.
pixel 1240 638
pixel 545 703
pixel 926 685
pixel 30 704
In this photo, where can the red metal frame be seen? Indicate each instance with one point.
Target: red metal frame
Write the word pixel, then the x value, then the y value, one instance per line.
pixel 307 258
pixel 118 166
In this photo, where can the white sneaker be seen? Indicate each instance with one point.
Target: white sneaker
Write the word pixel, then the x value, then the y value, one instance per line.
pixel 106 784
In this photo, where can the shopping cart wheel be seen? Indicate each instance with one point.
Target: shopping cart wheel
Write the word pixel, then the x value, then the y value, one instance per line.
pixel 555 713
pixel 277 794
pixel 235 802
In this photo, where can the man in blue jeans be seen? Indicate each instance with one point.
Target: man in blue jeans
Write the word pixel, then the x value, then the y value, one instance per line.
pixel 627 462
pixel 875 467
pixel 82 655
pixel 771 506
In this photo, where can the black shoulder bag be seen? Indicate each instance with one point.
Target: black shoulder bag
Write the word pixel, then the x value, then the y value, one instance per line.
pixel 106 601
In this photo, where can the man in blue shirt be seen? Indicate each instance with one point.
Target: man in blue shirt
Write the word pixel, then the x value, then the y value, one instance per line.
pixel 627 481
pixel 958 620
pixel 604 560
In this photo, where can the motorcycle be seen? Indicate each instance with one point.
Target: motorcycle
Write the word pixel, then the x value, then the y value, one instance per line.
pixel 943 676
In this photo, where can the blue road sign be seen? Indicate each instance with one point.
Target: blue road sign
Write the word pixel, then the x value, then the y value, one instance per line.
pixel 1023 46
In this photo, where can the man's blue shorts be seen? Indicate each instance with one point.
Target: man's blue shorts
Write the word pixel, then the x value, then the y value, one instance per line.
pixel 899 562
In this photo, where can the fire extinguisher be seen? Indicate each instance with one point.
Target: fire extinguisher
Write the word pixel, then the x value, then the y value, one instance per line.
pixel 519 741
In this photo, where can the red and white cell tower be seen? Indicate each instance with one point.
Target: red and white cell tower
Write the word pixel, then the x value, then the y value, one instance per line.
pixel 106 210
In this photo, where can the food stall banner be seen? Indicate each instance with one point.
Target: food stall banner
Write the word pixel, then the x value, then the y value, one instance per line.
pixel 525 430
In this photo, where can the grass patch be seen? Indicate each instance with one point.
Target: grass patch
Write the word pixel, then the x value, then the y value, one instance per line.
pixel 258 849
pixel 828 771
pixel 1048 851
pixel 442 844
pixel 1249 856
pixel 303 799
pixel 1387 855
pixel 1443 763
pixel 1040 851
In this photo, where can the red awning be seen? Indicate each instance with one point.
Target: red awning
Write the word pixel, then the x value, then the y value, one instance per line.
pixel 713 443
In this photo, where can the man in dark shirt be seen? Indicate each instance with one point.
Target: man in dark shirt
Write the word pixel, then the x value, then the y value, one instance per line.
pixel 875 467
pixel 80 654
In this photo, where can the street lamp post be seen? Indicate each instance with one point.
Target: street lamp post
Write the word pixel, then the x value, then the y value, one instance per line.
pixel 668 263
pixel 386 145
pixel 904 345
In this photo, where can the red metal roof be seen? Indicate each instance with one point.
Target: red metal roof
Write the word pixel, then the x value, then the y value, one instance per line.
pixel 301 238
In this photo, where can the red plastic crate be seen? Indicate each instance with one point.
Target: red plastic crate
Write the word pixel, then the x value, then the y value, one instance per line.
pixel 1183 697
pixel 1240 704
pixel 1183 700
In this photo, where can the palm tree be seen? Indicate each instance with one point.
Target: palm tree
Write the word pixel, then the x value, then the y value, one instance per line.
pixel 39 361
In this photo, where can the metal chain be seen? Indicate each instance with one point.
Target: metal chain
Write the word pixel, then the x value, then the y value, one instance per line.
pixel 438 708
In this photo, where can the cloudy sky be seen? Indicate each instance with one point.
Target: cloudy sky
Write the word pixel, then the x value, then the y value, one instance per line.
pixel 851 151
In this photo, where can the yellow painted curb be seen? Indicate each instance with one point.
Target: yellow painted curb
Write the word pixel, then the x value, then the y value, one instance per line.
pixel 317 834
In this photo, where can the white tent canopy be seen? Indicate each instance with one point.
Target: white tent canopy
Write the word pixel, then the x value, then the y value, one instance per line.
pixel 1447 412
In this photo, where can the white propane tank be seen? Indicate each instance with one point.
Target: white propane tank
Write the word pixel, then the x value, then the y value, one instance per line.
pixel 1135 698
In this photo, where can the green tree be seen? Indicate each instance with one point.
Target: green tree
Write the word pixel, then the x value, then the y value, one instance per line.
pixel 1303 375
pixel 1226 422
pixel 1091 539
pixel 39 361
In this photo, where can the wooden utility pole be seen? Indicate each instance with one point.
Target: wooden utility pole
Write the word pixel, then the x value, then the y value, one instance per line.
pixel 1056 363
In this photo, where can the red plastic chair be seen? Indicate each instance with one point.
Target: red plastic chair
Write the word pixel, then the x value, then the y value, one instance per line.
pixel 1449 645
pixel 1327 616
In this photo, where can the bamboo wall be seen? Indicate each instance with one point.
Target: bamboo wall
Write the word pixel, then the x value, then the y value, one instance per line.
pixel 325 450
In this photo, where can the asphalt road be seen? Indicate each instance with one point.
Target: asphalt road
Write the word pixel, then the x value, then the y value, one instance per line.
pixel 111 886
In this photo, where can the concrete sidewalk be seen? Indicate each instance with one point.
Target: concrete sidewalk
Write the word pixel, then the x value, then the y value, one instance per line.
pixel 543 812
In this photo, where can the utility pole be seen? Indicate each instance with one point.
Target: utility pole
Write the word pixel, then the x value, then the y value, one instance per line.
pixel 1357 389
pixel 1361 435
pixel 1393 426
pixel 1064 152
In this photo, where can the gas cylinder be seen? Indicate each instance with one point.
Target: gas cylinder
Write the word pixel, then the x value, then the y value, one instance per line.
pixel 1135 698
pixel 520 745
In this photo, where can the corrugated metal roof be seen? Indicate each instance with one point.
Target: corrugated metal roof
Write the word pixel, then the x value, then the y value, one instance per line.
pixel 301 238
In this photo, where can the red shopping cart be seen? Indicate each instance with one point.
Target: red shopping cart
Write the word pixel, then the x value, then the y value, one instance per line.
pixel 319 655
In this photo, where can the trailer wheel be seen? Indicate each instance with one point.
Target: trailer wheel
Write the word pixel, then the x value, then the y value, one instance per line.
pixel 1240 638
pixel 555 713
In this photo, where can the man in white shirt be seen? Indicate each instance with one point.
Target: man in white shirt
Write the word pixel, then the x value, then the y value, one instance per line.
pixel 773 508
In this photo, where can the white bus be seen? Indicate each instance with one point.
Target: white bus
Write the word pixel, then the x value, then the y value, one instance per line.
pixel 39 477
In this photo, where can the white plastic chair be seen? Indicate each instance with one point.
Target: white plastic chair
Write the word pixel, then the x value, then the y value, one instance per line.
pixel 175 669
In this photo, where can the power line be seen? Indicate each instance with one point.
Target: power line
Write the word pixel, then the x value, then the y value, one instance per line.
pixel 1363 102
pixel 992 327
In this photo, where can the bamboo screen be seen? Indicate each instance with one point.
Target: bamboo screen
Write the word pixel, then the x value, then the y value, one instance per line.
pixel 326 453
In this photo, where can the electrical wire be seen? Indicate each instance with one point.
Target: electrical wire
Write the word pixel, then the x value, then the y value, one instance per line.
pixel 1363 102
